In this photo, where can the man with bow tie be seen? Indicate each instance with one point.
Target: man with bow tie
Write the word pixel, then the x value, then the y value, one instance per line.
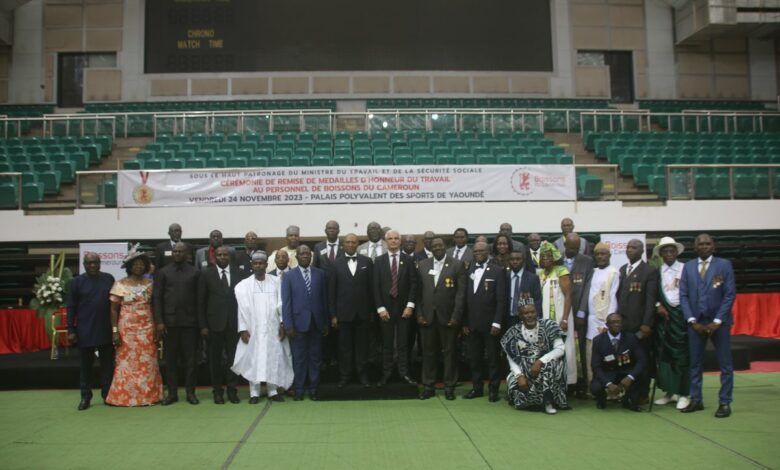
pixel 486 306
pixel 440 302
pixel 351 309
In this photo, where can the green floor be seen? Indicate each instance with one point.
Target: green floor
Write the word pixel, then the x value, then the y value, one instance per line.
pixel 43 430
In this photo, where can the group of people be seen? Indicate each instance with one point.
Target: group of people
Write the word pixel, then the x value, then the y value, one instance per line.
pixel 555 315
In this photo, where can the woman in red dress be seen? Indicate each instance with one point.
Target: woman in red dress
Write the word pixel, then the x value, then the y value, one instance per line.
pixel 137 380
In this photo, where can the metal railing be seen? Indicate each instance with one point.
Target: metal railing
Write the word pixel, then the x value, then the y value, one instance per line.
pixel 689 120
pixel 52 124
pixel 91 188
pixel 18 177
pixel 685 187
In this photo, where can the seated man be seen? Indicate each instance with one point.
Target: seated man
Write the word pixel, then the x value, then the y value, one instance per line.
pixel 535 350
pixel 618 360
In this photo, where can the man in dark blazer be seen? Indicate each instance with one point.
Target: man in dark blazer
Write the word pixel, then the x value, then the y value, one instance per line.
pixel 426 252
pixel 707 294
pixel 163 252
pixel 581 270
pixel 206 256
pixel 305 319
pixel 461 250
pixel 176 316
pixel 523 287
pixel 243 258
pixel 282 261
pixel 395 287
pixel 218 311
pixel 533 251
pixel 486 306
pixel 89 325
pixel 440 303
pixel 618 361
pixel 637 295
pixel 326 251
pixel 351 308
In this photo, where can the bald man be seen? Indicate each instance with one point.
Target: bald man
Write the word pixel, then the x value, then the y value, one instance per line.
pixel 326 251
pixel 567 227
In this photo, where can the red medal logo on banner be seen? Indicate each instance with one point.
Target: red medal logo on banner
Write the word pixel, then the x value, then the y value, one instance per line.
pixel 143 194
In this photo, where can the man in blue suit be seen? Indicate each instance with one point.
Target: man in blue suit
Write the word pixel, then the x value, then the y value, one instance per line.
pixel 305 319
pixel 707 293
pixel 524 287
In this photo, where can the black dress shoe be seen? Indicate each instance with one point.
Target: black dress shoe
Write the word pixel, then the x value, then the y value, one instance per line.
pixel 298 397
pixel 629 405
pixel 254 400
pixel 233 396
pixel 364 380
pixel 192 399
pixel 473 393
pixel 724 411
pixel 342 383
pixel 219 399
pixel 694 405
pixel 83 404
pixel 169 400
pixel 313 396
pixel 493 396
pixel 409 380
pixel 601 404
pixel 449 393
pixel 279 398
pixel 383 381
pixel 428 392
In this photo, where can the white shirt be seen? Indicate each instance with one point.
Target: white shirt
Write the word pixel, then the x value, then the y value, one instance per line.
pixel 352 263
pixel 390 261
pixel 438 265
pixel 670 282
pixel 478 272
pixel 458 252
pixel 225 270
pixel 597 281
pixel 371 246
pixel 630 268
pixel 428 253
pixel 708 261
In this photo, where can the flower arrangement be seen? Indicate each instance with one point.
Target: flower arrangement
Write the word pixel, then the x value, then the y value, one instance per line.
pixel 51 287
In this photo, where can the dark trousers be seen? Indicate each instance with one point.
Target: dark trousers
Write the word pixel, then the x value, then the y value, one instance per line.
pixel 181 343
pixel 222 351
pixel 106 359
pixel 353 347
pixel 307 357
pixel 395 338
pixel 479 344
pixel 722 341
pixel 598 389
pixel 437 337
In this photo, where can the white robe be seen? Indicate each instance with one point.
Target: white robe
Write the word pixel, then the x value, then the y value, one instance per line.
pixel 264 358
pixel 552 293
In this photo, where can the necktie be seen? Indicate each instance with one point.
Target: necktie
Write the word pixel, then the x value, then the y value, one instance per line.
pixel 629 269
pixel 515 294
pixel 373 252
pixel 332 254
pixel 307 280
pixel 394 277
pixel 457 253
pixel 703 269
pixel 615 343
pixel 225 280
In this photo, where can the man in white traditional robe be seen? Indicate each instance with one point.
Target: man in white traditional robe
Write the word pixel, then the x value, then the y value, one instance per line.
pixel 263 352
pixel 602 299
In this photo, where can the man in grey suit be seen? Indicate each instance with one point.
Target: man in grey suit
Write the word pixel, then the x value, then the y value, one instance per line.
pixel 440 302
pixel 375 246
pixel 581 269
pixel 206 256
pixel 461 251
pixel 567 227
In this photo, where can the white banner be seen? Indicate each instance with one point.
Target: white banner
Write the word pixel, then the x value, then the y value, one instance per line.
pixel 617 245
pixel 340 185
pixel 111 256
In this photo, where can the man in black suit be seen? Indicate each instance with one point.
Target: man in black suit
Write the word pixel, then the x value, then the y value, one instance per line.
pixel 533 252
pixel 637 295
pixel 395 286
pixel 524 288
pixel 243 259
pixel 282 262
pixel 326 251
pixel 408 245
pixel 461 250
pixel 440 303
pixel 351 309
pixel 486 305
pixel 176 317
pixel 218 311
pixel 426 252
pixel 618 360
pixel 163 252
pixel 581 269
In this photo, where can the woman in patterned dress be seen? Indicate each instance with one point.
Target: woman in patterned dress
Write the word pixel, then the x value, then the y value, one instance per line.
pixel 537 377
pixel 137 380
pixel 556 302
